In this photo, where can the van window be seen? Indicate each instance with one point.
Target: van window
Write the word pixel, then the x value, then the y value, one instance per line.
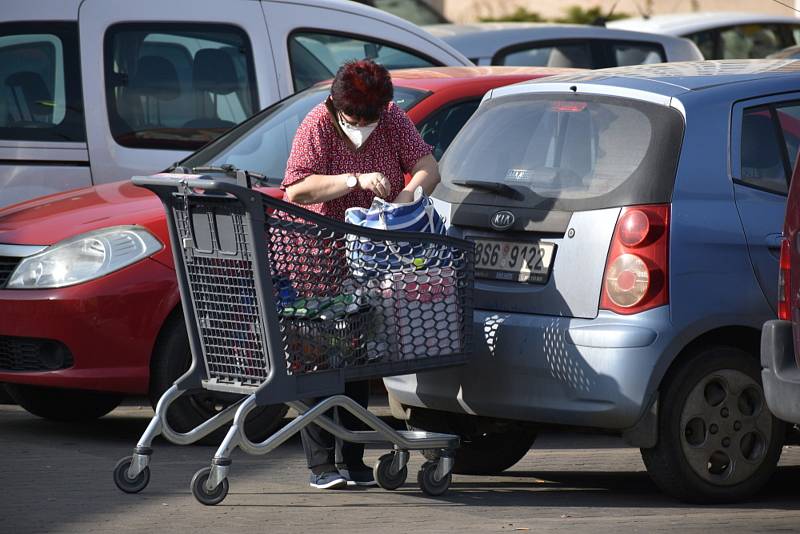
pixel 559 54
pixel 768 151
pixel 177 86
pixel 40 86
pixel 586 152
pixel 316 56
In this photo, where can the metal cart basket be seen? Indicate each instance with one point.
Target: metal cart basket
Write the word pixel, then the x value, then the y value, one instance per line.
pixel 282 304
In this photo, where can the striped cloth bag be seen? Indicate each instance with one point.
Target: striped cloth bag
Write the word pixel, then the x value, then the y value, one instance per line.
pixel 369 258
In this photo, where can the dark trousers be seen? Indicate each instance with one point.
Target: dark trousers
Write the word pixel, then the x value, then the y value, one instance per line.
pixel 320 446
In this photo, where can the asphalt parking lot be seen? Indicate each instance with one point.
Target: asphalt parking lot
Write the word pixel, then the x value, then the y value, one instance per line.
pixel 56 477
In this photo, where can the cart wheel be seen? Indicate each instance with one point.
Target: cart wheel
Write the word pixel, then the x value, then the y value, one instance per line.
pixel 383 475
pixel 428 484
pixel 126 483
pixel 209 498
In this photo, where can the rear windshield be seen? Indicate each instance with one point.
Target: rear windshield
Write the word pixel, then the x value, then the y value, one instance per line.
pixel 568 151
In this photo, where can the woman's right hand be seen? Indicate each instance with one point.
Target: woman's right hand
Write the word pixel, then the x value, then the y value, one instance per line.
pixel 375 182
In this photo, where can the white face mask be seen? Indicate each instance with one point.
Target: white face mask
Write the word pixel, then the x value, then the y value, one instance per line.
pixel 357 134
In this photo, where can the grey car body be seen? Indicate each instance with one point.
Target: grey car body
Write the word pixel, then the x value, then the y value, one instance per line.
pixel 561 45
pixel 546 353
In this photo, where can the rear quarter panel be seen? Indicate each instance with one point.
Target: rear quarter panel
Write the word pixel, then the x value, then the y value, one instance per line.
pixel 712 283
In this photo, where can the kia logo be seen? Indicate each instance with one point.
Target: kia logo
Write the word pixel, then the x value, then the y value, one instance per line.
pixel 502 220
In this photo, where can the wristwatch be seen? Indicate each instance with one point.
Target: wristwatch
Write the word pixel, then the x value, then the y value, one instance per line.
pixel 352 181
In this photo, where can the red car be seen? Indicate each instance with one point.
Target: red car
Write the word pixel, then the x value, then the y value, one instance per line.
pixel 89 304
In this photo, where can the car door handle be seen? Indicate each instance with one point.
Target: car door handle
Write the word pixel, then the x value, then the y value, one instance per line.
pixel 774 241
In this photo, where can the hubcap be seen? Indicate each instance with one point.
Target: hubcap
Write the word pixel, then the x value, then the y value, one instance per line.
pixel 725 427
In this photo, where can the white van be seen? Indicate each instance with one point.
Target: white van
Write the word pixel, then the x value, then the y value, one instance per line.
pixel 93 91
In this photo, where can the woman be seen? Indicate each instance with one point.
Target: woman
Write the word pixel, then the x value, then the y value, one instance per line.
pixel 351 148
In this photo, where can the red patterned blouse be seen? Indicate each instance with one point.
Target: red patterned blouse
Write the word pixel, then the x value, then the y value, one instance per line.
pixel 319 147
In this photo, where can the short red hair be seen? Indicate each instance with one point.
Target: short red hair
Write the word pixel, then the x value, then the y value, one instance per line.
pixel 362 89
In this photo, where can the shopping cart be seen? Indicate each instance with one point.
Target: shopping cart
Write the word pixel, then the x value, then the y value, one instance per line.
pixel 282 304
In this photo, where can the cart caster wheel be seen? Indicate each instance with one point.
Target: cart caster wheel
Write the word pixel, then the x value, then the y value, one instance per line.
pixel 428 484
pixel 383 475
pixel 126 483
pixel 209 498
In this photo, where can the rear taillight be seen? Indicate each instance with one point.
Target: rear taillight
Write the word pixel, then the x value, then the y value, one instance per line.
pixel 784 283
pixel 635 277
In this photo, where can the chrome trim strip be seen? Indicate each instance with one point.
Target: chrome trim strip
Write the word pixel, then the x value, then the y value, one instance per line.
pixel 20 251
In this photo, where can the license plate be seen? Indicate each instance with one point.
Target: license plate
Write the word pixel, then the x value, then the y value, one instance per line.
pixel 515 261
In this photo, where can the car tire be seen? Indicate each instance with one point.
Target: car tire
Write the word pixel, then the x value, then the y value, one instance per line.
pixel 717 440
pixel 171 359
pixel 63 404
pixel 481 452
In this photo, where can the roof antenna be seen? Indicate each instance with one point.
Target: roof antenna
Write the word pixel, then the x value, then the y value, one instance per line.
pixel 786 5
pixel 602 19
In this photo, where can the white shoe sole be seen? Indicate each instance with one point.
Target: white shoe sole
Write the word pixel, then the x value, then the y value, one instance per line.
pixel 354 483
pixel 330 485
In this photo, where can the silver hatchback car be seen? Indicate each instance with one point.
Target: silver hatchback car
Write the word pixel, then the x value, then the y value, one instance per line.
pixel 626 223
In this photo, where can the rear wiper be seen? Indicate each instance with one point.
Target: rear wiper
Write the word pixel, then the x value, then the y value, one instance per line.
pixel 496 187
pixel 228 170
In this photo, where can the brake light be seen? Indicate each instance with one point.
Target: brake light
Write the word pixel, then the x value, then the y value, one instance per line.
pixel 784 283
pixel 568 107
pixel 635 276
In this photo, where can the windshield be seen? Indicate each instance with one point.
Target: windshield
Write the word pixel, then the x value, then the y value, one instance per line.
pixel 262 144
pixel 579 151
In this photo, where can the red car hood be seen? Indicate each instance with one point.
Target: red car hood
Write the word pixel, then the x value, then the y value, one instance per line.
pixel 47 220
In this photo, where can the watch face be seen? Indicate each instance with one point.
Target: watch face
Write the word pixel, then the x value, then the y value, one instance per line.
pixel 352 181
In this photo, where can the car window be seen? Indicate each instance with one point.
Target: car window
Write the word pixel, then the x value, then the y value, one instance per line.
pixel 175 86
pixel 706 42
pixel 416 11
pixel 789 119
pixel 263 143
pixel 570 54
pixel 316 56
pixel 40 86
pixel 627 53
pixel 750 41
pixel 762 156
pixel 440 128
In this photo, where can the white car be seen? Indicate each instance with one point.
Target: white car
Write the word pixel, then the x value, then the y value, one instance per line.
pixel 723 35
pixel 561 45
pixel 93 91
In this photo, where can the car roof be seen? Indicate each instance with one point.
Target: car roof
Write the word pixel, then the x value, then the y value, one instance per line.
pixel 438 78
pixel 672 79
pixel 686 23
pixel 476 40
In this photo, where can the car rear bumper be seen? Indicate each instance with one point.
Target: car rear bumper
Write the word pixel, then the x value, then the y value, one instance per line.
pixel 103 330
pixel 585 372
pixel 780 372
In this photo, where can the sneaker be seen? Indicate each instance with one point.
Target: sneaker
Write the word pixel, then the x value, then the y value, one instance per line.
pixel 358 477
pixel 329 480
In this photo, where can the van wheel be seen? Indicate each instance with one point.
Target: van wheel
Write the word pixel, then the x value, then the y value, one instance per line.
pixel 172 359
pixel 487 448
pixel 63 404
pixel 718 441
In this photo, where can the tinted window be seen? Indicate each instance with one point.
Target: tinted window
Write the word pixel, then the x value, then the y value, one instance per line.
pixel 578 55
pixel 768 152
pixel 416 11
pixel 601 149
pixel 263 143
pixel 750 41
pixel 636 53
pixel 440 128
pixel 706 41
pixel 316 56
pixel 40 85
pixel 176 86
